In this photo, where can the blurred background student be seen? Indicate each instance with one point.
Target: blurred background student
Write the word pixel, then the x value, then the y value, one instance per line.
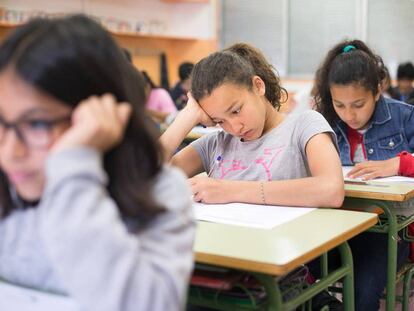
pixel 180 90
pixel 159 104
pixel 404 91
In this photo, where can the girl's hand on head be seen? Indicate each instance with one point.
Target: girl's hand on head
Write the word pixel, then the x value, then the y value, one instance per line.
pixel 375 169
pixel 208 190
pixel 195 108
pixel 97 122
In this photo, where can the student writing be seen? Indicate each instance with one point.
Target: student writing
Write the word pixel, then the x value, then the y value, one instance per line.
pixel 265 156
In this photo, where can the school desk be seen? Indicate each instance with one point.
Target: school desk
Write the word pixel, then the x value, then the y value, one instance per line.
pixel 276 252
pixel 381 195
pixel 197 132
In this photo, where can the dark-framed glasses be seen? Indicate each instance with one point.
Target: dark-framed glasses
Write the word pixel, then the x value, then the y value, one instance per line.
pixel 33 132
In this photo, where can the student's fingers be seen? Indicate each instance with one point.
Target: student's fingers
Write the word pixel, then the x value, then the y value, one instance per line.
pixel 372 175
pixel 375 169
pixel 116 113
pixel 360 172
pixel 191 181
pixel 383 169
pixel 84 109
pixel 198 188
pixel 363 166
pixel 197 198
pixel 109 107
pixel 203 117
pixel 124 111
pixel 354 171
pixel 105 118
pixel 103 121
pixel 193 185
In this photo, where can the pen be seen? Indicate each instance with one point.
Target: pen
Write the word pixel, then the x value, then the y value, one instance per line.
pixel 216 162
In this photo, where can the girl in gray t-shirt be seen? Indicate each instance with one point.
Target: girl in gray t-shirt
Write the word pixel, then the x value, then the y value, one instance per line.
pixel 262 156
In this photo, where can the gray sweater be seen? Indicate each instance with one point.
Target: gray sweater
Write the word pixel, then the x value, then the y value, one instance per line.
pixel 76 243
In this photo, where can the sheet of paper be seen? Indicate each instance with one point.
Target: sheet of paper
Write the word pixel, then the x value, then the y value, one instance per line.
pixel 391 179
pixel 248 215
pixel 22 299
pixel 205 130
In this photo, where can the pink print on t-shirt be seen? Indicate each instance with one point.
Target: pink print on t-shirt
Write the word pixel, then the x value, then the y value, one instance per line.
pixel 266 161
pixel 269 154
pixel 235 165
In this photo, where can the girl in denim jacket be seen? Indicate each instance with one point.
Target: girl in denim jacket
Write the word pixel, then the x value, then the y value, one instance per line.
pixel 375 134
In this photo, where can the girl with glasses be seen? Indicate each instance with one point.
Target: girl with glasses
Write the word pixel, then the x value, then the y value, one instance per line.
pixel 87 207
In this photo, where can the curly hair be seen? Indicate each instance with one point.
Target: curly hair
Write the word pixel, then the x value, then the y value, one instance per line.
pixel 236 64
pixel 358 66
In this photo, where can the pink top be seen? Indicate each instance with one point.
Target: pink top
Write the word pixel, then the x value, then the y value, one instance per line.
pixel 160 100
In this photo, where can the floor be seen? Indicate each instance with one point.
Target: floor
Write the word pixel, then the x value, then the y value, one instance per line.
pixel 398 305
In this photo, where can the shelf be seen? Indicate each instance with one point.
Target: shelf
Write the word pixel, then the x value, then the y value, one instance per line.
pixel 185 1
pixel 10 25
pixel 123 34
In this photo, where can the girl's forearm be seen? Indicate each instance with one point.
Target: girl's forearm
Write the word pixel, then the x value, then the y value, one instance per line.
pixel 295 192
pixel 177 131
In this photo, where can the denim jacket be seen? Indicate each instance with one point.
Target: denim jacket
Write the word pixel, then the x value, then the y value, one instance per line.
pixel 391 131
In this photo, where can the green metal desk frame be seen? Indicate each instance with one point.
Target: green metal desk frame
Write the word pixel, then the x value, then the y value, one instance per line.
pixel 274 295
pixel 391 228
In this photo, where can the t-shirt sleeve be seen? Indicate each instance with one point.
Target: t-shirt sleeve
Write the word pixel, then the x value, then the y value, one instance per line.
pixel 206 147
pixel 311 123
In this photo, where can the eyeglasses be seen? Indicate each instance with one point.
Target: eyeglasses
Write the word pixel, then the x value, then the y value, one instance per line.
pixel 33 132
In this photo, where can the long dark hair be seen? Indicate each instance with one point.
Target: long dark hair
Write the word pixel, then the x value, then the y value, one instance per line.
pixel 348 62
pixel 72 58
pixel 236 64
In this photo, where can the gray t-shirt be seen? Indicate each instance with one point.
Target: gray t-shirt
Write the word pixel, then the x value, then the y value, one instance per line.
pixel 277 155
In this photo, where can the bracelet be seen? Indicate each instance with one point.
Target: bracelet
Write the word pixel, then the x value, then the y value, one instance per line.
pixel 262 193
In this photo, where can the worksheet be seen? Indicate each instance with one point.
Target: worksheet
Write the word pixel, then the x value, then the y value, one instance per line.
pixel 248 215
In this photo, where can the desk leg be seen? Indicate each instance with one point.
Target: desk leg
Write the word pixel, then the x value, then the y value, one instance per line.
pixel 392 255
pixel 274 295
pixel 348 295
pixel 345 272
pixel 324 265
pixel 392 252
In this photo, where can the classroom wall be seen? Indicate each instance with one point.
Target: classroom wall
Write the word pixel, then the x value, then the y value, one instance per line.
pixel 296 34
pixel 183 31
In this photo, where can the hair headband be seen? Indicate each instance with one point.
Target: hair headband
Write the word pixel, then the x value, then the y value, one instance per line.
pixel 348 48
